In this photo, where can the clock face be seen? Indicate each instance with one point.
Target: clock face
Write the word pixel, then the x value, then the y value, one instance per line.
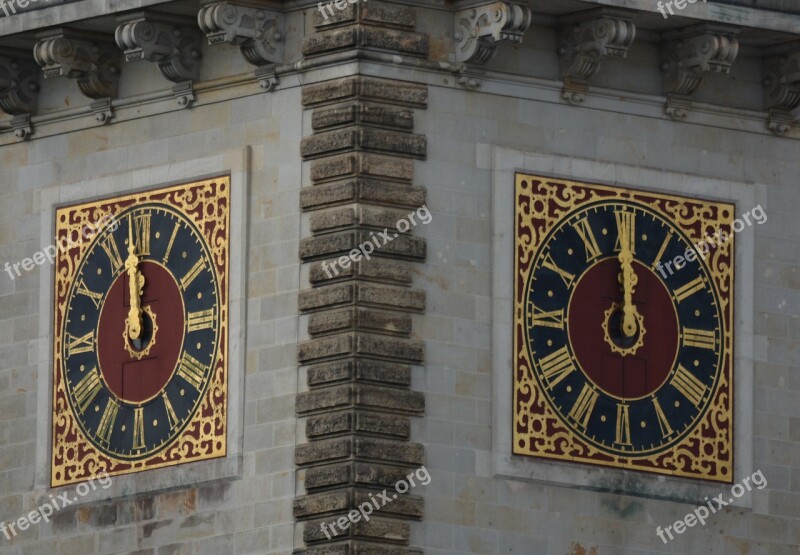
pixel 140 337
pixel 623 359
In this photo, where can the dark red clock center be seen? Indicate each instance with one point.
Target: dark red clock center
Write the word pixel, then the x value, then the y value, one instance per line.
pixel 130 379
pixel 634 375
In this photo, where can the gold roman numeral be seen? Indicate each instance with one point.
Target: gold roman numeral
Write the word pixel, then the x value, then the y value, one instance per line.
pixel 689 289
pixel 192 274
pixel 623 424
pixel 587 236
pixel 87 390
pixel 582 410
pixel 551 319
pixel 77 345
pixel 689 386
pixel 556 366
pixel 662 250
pixel 138 428
pixel 171 417
pixel 192 370
pixel 110 246
pixel 626 227
pixel 107 421
pixel 666 429
pixel 551 265
pixel 705 339
pixel 141 234
pixel 200 320
pixel 171 241
pixel 97 298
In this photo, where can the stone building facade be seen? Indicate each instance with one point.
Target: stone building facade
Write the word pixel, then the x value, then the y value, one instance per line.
pixel 336 121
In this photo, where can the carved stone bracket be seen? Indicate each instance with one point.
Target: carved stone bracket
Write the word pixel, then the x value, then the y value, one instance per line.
pixel 586 39
pixel 257 33
pixel 22 126
pixel 267 78
pixel 184 93
pixel 92 64
pixel 689 54
pixel 169 42
pixel 19 83
pixel 782 89
pixel 479 29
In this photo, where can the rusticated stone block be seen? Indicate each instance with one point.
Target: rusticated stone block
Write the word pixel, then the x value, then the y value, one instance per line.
pixel 388 450
pixel 381 424
pixel 356 548
pixel 392 347
pixel 324 450
pixel 330 41
pixel 361 396
pixel 329 424
pixel 404 42
pixel 405 506
pixel 341 474
pixel 388 15
pixel 341 502
pixel 379 269
pixel 382 372
pixel 364 190
pixel 326 297
pixel 325 347
pixel 333 219
pixel 383 295
pixel 377 528
pixel 317 504
pixel 362 319
pixel 365 114
pixel 366 88
pixel 362 164
pixel 393 142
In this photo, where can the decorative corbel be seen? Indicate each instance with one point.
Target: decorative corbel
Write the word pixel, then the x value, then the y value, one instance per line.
pixel 258 33
pixel 91 63
pixel 168 41
pixel 782 89
pixel 688 54
pixel 19 83
pixel 479 29
pixel 586 39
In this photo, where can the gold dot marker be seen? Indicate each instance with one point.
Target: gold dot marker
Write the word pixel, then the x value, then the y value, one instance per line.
pixel 603 418
pixel 123 427
pixel 644 424
pixel 155 423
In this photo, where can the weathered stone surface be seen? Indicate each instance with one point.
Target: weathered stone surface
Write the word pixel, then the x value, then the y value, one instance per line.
pixel 387 450
pixel 324 450
pixel 357 548
pixel 397 143
pixel 362 113
pixel 374 11
pixel 362 164
pixel 331 296
pixel 326 347
pixel 404 42
pixel 380 269
pixel 333 219
pixel 364 190
pixel 382 372
pixel 360 319
pixel 361 396
pixel 377 528
pixel 361 473
pixel 330 41
pixel 366 88
pixel 405 246
pixel 361 344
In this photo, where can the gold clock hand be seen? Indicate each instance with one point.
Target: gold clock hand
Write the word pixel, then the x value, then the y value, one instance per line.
pixel 629 280
pixel 136 285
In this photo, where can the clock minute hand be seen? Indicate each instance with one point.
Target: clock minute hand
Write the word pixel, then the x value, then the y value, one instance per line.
pixel 629 280
pixel 136 285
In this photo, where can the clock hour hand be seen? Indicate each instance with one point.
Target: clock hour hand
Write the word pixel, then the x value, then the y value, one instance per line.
pixel 629 281
pixel 136 285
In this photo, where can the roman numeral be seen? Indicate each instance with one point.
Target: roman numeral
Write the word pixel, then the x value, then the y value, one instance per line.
pixel 582 410
pixel 689 289
pixel 626 227
pixel 587 236
pixel 141 234
pixel 200 320
pixel 107 421
pixel 623 424
pixel 705 339
pixel 171 241
pixel 110 246
pixel 666 429
pixel 87 390
pixel 192 370
pixel 97 298
pixel 551 265
pixel 77 345
pixel 171 417
pixel 662 250
pixel 689 386
pixel 556 366
pixel 191 274
pixel 551 319
pixel 138 428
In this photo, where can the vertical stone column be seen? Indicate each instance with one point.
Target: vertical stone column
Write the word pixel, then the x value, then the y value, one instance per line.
pixel 359 403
